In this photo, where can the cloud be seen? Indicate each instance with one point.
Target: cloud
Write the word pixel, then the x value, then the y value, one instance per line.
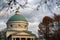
pixel 33 27
pixel 33 16
pixel 2 25
pixel 33 2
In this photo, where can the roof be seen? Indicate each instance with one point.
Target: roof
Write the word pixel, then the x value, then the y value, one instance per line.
pixel 17 17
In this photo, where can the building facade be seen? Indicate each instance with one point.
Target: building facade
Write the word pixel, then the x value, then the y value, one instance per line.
pixel 17 28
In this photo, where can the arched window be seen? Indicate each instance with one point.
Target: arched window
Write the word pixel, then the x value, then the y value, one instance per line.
pixel 19 25
pixel 11 25
pixel 25 26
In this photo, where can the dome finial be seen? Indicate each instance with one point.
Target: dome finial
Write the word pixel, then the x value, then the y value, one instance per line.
pixel 17 10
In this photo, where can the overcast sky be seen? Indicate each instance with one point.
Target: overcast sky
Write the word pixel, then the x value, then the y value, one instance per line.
pixel 33 16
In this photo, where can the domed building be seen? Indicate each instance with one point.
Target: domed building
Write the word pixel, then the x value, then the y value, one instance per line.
pixel 17 28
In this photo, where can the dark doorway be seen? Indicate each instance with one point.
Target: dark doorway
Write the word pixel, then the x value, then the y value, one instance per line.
pixel 28 38
pixel 17 39
pixel 23 38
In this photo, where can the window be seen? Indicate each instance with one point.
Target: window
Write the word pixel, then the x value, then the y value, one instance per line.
pixel 25 26
pixel 11 25
pixel 19 25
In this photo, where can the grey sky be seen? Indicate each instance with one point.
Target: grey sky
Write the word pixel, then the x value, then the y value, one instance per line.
pixel 33 16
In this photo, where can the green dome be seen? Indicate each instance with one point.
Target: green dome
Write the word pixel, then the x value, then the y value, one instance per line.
pixel 17 17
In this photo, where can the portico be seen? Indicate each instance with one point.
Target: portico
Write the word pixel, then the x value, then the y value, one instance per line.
pixel 22 38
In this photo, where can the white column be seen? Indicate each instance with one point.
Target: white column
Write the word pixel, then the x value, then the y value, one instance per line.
pixel 26 38
pixel 20 38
